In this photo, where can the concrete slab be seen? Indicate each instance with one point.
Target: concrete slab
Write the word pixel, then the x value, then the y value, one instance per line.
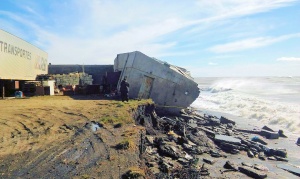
pixel 290 168
pixel 228 139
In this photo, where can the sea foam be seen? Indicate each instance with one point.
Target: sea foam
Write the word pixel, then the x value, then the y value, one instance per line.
pixel 271 101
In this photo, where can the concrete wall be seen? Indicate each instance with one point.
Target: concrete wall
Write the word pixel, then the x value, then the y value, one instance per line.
pixel 97 71
pixel 170 88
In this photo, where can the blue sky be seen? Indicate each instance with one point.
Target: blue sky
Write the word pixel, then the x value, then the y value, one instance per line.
pixel 208 37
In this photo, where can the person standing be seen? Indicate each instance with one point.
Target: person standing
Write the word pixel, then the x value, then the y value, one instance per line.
pixel 124 90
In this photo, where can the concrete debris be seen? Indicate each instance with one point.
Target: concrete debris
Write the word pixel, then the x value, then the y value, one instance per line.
pixel 228 139
pixel 269 134
pixel 280 152
pixel 252 172
pixel 231 165
pixel 261 156
pixel 260 167
pixel 290 168
pixel 271 158
pixel 150 139
pixel 281 159
pixel 281 134
pixel 183 144
pixel 250 154
pixel 268 129
pixel 169 150
pixel 204 171
pixel 209 161
pixel 224 120
pixel 247 164
pixel 215 154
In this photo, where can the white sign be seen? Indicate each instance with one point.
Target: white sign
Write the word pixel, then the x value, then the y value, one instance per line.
pixel 20 60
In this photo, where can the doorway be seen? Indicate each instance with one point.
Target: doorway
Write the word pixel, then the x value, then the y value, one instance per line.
pixel 146 87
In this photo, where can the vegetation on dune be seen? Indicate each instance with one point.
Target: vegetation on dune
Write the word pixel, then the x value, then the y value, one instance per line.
pixel 117 112
pixel 135 172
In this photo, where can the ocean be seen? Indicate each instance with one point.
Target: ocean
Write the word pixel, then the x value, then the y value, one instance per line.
pixel 272 101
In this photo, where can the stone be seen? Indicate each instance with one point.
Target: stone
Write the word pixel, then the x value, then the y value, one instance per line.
pixel 215 154
pixel 154 170
pixel 271 158
pixel 256 147
pixel 229 132
pixel 269 134
pixel 150 139
pixel 250 154
pixel 231 165
pixel 230 125
pixel 183 161
pixel 235 151
pixel 192 125
pixel 201 139
pixel 298 141
pixel 289 168
pixel 280 152
pixel 169 150
pixel 252 172
pixel 227 147
pixel 214 121
pixel 209 161
pixel 247 164
pixel 260 167
pixel 259 140
pixel 204 171
pixel 228 139
pixel 281 134
pixel 224 120
pixel 253 150
pixel 261 156
pixel 268 129
pixel 165 167
pixel 188 157
pixel 187 147
pixel 281 159
pixel 208 131
pixel 182 140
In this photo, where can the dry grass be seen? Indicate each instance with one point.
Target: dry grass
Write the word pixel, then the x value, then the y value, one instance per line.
pixel 29 124
pixel 135 172
pixel 119 112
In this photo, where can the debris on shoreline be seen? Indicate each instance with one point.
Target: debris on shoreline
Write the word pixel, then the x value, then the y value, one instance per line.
pixel 195 144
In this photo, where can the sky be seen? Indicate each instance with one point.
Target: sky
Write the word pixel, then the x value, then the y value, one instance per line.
pixel 210 38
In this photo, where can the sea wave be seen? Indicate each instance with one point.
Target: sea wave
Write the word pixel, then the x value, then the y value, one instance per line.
pixel 282 114
pixel 259 86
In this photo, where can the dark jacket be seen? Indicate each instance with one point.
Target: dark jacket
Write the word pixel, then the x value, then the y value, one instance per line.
pixel 124 86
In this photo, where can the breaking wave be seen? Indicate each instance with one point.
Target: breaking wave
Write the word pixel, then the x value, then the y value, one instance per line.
pixel 269 101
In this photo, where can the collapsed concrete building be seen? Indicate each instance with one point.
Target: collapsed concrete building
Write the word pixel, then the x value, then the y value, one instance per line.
pixel 169 86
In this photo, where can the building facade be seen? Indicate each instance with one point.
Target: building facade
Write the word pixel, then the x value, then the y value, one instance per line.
pixel 19 61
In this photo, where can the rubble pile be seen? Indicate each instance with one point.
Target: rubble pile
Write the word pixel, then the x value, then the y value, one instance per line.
pixel 68 79
pixel 195 144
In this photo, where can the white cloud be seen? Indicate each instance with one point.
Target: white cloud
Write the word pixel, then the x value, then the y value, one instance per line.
pixel 246 70
pixel 103 29
pixel 293 59
pixel 212 63
pixel 250 43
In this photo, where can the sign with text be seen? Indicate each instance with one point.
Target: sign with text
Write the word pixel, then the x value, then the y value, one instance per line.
pixel 20 60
